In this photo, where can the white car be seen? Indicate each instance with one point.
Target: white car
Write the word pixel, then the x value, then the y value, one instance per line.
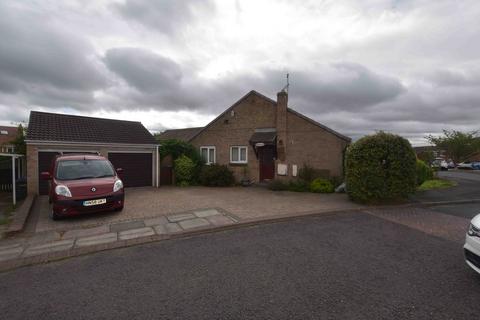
pixel 440 164
pixel 472 244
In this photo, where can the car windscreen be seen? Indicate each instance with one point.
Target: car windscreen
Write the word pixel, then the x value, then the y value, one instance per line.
pixel 83 169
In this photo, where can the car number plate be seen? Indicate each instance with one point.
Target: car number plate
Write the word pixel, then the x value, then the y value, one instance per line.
pixel 94 202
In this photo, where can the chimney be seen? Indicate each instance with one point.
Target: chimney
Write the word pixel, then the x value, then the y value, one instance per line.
pixel 282 102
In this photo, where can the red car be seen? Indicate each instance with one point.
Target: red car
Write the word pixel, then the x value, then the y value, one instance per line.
pixel 83 183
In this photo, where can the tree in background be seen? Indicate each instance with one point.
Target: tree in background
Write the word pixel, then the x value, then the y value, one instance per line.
pixel 458 145
pixel 426 156
pixel 19 141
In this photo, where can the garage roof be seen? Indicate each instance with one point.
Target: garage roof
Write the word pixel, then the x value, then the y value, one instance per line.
pixel 44 126
pixel 179 134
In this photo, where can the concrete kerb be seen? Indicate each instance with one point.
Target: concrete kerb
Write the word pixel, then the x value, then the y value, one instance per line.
pixel 79 251
pixel 445 203
pixel 20 216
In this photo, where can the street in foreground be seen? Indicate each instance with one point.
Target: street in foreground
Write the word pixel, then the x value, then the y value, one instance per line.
pixel 353 266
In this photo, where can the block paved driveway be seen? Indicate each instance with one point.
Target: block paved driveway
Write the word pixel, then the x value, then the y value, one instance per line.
pixel 349 266
pixel 241 203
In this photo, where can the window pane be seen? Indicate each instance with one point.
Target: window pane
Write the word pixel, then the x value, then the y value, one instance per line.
pixel 204 152
pixel 212 155
pixel 243 154
pixel 234 153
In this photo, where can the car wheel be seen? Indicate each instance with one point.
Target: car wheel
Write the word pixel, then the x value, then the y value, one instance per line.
pixel 54 215
pixel 118 209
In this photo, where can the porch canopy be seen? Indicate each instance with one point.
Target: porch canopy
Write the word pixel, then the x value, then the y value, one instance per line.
pixel 14 157
pixel 261 139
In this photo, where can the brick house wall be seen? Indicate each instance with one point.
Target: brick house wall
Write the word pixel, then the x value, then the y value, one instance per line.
pixel 312 145
pixel 299 140
pixel 235 130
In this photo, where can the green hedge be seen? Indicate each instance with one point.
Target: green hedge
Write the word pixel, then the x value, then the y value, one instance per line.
pixel 216 176
pixel 380 167
pixel 184 170
pixel 424 172
pixel 320 185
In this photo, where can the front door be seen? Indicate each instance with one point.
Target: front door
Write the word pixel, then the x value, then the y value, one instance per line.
pixel 266 156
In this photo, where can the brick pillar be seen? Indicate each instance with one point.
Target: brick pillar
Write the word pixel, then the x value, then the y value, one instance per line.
pixel 32 170
pixel 281 123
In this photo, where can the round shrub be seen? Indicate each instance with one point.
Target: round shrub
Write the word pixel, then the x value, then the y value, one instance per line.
pixel 424 172
pixel 380 167
pixel 320 185
pixel 216 176
pixel 298 185
pixel 184 170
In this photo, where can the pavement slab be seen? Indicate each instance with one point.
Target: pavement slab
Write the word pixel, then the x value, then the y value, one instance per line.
pixel 48 247
pixel 122 226
pixel 160 229
pixel 173 228
pixel 155 221
pixel 220 220
pixel 136 233
pixel 97 239
pixel 80 233
pixel 44 237
pixel 206 213
pixel 194 223
pixel 180 217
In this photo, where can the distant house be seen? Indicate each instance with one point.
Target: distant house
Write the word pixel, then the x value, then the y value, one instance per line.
pixel 265 139
pixel 7 135
pixel 127 144
pixel 435 151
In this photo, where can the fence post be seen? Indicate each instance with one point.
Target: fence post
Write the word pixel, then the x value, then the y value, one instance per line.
pixel 13 182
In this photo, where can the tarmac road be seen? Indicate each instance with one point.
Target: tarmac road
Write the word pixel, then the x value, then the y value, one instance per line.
pixel 347 266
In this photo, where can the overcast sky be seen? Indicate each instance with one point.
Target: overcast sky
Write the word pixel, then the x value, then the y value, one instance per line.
pixel 408 67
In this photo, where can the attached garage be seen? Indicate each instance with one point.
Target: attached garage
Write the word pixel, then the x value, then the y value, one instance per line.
pixel 137 167
pixel 127 144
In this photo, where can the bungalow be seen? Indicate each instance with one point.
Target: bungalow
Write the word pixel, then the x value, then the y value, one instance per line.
pixel 263 139
pixel 7 135
pixel 127 144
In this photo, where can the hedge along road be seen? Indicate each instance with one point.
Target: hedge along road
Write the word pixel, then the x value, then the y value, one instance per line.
pixel 348 266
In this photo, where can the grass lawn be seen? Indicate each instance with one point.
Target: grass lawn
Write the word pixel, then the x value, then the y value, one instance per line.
pixel 436 184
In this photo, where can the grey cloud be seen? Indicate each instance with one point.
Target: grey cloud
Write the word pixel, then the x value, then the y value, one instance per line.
pixel 457 78
pixel 343 86
pixel 38 58
pixel 166 16
pixel 161 81
pixel 145 70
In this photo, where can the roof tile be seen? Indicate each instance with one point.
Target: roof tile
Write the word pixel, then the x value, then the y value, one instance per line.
pixel 45 126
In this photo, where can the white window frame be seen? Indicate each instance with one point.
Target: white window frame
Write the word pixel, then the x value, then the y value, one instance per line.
pixel 208 154
pixel 239 153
